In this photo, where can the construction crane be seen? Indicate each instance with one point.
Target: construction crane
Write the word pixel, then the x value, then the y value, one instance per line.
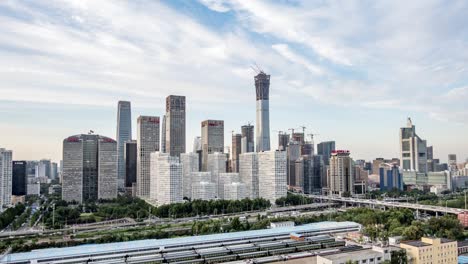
pixel 303 129
pixel 312 137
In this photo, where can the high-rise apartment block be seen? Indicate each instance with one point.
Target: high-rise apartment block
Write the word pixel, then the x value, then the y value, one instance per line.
pixel 166 179
pixel 325 149
pixel 202 187
pixel 19 178
pixel 247 139
pixel 190 164
pixel 226 179
pixel 341 173
pixel 130 158
pixel 272 175
pixel 147 142
pixel 124 134
pixel 413 149
pixel 89 168
pixel 212 139
pixel 235 191
pixel 262 88
pixel 6 172
pixel 175 125
pixel 248 173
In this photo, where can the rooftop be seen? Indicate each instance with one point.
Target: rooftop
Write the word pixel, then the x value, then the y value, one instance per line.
pixel 109 248
pixel 369 253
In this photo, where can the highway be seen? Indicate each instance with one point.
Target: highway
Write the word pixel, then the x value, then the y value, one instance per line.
pixel 390 204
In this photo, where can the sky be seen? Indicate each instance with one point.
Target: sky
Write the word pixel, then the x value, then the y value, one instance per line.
pixel 349 71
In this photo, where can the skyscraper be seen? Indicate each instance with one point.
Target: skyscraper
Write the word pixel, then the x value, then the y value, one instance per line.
pixel 293 154
pixel 452 162
pixel 89 168
pixel 247 140
pixel 248 173
pixel 341 173
pixel 262 88
pixel 283 141
pixel 147 142
pixel 190 164
pixel 236 151
pixel 413 149
pixel 6 172
pixel 124 134
pixel 163 135
pixel 430 159
pixel 166 178
pixel 325 149
pixel 212 139
pixel 53 170
pixel 216 165
pixel 390 177
pixel 130 167
pixel 272 175
pixel 175 125
pixel 19 181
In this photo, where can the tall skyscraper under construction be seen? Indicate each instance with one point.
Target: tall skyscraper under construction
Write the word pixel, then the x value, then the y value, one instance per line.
pixel 262 88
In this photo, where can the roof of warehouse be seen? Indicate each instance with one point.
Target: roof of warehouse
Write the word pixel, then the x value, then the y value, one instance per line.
pixel 118 247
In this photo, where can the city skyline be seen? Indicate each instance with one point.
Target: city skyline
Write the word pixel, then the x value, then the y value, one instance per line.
pixel 324 85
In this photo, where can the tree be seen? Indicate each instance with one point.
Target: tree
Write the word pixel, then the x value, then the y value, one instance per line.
pixel 398 257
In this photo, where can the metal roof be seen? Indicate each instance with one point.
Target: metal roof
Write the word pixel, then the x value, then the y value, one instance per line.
pixel 119 247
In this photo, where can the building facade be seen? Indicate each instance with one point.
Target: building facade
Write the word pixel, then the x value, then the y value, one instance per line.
pixel 163 135
pixel 216 165
pixel 212 139
pixel 226 179
pixel 272 175
pixel 247 141
pixel 147 142
pixel 175 125
pixel 236 150
pixel 6 173
pixel 390 178
pixel 431 250
pixel 190 164
pixel 325 149
pixel 341 173
pixel 130 159
pixel 262 88
pixel 89 168
pixel 413 149
pixel 235 191
pixel 166 179
pixel 19 180
pixel 124 134
pixel 248 173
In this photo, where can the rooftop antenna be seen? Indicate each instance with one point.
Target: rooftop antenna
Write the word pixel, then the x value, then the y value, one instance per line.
pixel 90 132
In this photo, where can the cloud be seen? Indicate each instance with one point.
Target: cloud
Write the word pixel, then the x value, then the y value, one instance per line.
pixel 216 5
pixel 286 52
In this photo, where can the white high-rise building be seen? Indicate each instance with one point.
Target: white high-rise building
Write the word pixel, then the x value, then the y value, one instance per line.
pixel 248 173
pixel 272 173
pixel 166 179
pixel 235 191
pixel 147 142
pixel 203 190
pixel 190 164
pixel 341 173
pixel 6 172
pixel 216 165
pixel 212 139
pixel 226 179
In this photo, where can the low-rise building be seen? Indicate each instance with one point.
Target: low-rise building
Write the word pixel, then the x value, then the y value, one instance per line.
pixel 431 250
pixel 282 224
pixel 374 255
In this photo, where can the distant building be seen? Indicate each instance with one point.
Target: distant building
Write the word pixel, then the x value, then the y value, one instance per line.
pixel 235 191
pixel 130 158
pixel 216 165
pixel 325 149
pixel 262 88
pixel 204 190
pixel 433 250
pixel 413 149
pixel 124 134
pixel 6 172
pixel 452 162
pixel 430 159
pixel 175 125
pixel 166 179
pixel 236 151
pixel 44 169
pixel 372 255
pixel 89 168
pixel 293 154
pixel 20 180
pixel 272 175
pixel 341 173
pixel 247 140
pixel 248 173
pixel 283 141
pixel 314 170
pixel 212 139
pixel 190 164
pixel 163 135
pixel 53 171
pixel 226 179
pixel 147 142
pixel 390 178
